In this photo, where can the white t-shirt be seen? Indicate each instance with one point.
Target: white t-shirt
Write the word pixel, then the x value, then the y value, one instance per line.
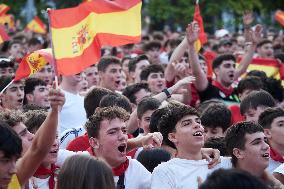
pixel 70 134
pixel 272 165
pixel 37 183
pixel 279 169
pixel 182 173
pixel 73 113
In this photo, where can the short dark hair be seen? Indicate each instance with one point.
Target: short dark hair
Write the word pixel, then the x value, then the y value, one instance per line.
pixel 153 68
pixel 205 104
pixel 216 115
pixel 30 85
pixel 34 119
pixel 168 122
pixel 235 136
pixel 6 62
pixel 151 158
pixel 93 124
pixel 275 88
pixel 256 99
pixel 134 61
pixel 151 45
pixel 258 73
pixel 131 90
pixel 11 117
pixel 106 61
pixel 217 143
pixel 249 83
pixel 116 100
pixel 4 81
pixel 34 41
pixel 10 142
pixel 219 60
pixel 232 179
pixel 263 42
pixel 147 104
pixel 268 115
pixel 93 98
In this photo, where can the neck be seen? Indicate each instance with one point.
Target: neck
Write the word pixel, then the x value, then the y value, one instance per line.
pixel 69 88
pixel 189 155
pixel 226 85
pixel 277 147
pixel 252 169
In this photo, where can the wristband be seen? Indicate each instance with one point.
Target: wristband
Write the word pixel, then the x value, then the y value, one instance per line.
pixel 167 93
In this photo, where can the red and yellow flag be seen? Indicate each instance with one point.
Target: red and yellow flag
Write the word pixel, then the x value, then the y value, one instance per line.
pixel 36 25
pixel 7 19
pixel 202 35
pixel 279 16
pixel 78 33
pixel 33 63
pixel 3 9
pixel 3 35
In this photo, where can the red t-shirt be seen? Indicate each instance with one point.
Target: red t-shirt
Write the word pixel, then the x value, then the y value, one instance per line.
pixel 236 114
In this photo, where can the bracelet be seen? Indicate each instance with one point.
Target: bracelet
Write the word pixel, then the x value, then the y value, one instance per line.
pixel 167 93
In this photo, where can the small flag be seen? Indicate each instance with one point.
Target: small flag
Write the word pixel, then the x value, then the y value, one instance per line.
pixel 33 63
pixel 36 25
pixel 279 16
pixel 84 29
pixel 3 35
pixel 202 35
pixel 7 19
pixel 3 9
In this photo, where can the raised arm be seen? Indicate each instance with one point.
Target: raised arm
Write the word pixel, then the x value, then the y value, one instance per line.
pixel 201 81
pixel 43 140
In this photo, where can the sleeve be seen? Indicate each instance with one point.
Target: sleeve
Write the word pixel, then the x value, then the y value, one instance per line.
pixel 160 179
pixel 144 177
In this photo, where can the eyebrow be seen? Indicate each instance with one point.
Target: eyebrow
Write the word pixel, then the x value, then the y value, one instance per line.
pixel 23 131
pixel 255 140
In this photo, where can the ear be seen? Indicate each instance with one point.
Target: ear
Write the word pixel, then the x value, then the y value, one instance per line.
pixel 94 143
pixel 267 133
pixel 172 137
pixel 216 71
pixel 30 97
pixel 238 153
pixel 132 74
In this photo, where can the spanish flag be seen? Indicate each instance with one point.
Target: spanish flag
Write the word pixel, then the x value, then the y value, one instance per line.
pixel 7 19
pixel 279 16
pixel 202 35
pixel 79 33
pixel 36 25
pixel 3 9
pixel 33 63
pixel 3 35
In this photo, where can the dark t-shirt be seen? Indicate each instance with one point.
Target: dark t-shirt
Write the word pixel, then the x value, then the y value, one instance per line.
pixel 213 92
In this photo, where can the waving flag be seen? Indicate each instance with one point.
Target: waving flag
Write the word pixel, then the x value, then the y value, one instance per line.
pixel 36 25
pixel 3 35
pixel 279 16
pixel 7 19
pixel 3 9
pixel 33 63
pixel 78 33
pixel 202 35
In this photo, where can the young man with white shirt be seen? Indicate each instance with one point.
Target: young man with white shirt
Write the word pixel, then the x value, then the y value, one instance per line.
pixel 272 121
pixel 108 139
pixel 181 129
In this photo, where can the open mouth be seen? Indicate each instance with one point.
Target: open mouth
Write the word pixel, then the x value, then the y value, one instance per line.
pixel 265 155
pixel 198 133
pixel 54 151
pixel 122 148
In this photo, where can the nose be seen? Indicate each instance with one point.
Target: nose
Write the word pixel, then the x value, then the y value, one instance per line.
pixel 265 146
pixel 30 136
pixel 12 167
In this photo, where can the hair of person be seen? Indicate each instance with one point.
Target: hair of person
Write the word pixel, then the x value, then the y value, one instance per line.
pixel 34 119
pixel 34 41
pixel 11 117
pixel 280 56
pixel 155 118
pixel 116 100
pixel 256 99
pixel 93 123
pixel 168 121
pixel 224 57
pixel 30 85
pixel 4 81
pixel 249 83
pixel 203 105
pixel 151 45
pixel 6 62
pixel 151 158
pixel 105 61
pixel 78 172
pixel 153 68
pixel 258 73
pixel 93 98
pixel 217 143
pixel 263 42
pixel 131 90
pixel 232 179
pixel 134 61
pixel 10 142
pixel 275 88
pixel 146 104
pixel 235 137
pixel 268 115
pixel 216 115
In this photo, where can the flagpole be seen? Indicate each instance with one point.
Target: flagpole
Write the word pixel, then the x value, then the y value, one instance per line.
pixel 53 52
pixel 197 1
pixel 3 90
